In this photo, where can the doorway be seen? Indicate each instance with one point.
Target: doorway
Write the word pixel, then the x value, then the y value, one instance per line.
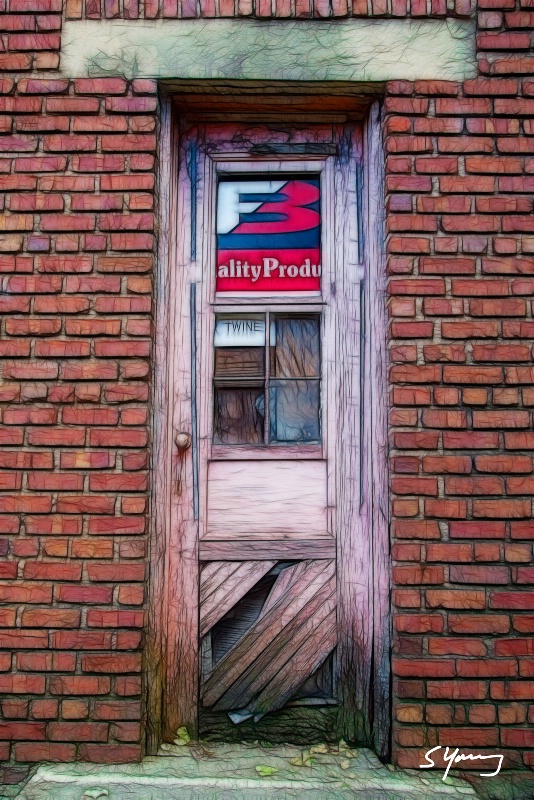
pixel 269 592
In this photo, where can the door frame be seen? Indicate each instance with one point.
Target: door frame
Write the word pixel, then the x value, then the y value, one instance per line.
pixel 169 661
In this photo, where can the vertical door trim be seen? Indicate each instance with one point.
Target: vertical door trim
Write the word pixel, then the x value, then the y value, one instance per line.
pixel 376 430
pixel 155 644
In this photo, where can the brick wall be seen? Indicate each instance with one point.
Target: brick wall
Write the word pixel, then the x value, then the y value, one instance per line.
pixel 460 177
pixel 76 256
pixel 302 9
pixel 76 242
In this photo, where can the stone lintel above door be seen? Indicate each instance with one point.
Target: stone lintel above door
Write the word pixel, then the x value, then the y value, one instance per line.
pixel 360 50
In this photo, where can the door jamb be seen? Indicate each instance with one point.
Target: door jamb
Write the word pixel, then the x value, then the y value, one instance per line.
pixel 374 677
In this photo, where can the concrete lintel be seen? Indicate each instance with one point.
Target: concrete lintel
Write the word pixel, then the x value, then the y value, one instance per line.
pixel 271 50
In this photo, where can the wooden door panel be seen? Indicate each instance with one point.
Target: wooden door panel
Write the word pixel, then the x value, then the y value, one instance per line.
pixel 284 499
pixel 292 636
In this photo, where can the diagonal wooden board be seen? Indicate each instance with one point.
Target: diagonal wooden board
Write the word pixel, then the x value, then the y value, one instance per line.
pixel 307 659
pixel 280 651
pixel 222 588
pixel 286 624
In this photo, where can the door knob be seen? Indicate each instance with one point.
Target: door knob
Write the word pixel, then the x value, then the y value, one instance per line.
pixel 182 440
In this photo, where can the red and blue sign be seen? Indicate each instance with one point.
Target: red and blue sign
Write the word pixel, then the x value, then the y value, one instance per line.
pixel 269 235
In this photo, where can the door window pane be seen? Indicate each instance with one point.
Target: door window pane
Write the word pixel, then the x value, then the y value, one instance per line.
pixel 294 411
pixel 239 416
pixel 295 347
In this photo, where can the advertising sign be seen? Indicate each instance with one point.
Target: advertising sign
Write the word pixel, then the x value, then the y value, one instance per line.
pixel 269 235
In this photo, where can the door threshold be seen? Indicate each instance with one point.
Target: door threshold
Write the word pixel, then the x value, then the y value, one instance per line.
pixel 201 771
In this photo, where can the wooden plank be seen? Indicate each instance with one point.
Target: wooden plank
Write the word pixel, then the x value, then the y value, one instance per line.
pixel 279 549
pixel 160 495
pixel 266 628
pixel 284 580
pixel 225 597
pixel 355 613
pixel 181 607
pixel 377 433
pixel 280 651
pixel 299 118
pixel 316 648
pixel 293 452
pixel 255 498
pixel 213 575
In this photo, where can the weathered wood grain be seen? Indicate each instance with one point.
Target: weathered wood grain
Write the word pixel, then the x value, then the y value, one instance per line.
pixel 230 591
pixel 278 549
pixel 280 651
pixel 259 498
pixel 377 433
pixel 181 606
pixel 264 630
pixel 308 658
pixel 287 577
pixel 212 575
pixel 156 642
pixel 328 501
pixel 353 534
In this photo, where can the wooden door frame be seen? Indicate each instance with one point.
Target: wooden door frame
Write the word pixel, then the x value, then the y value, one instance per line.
pixel 169 662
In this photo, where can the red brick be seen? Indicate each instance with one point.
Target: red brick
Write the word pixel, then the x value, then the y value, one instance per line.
pixel 415 668
pixel 46 662
pixel 51 617
pixel 469 737
pixel 111 753
pixel 77 731
pixel 419 623
pixel 456 598
pixel 100 618
pixel 512 690
pixel 112 663
pixel 44 751
pixel 105 86
pixel 81 640
pixel 418 575
pixel 456 690
pixel 52 571
pixel 417 529
pixel 79 685
pixel 83 594
pixel 512 600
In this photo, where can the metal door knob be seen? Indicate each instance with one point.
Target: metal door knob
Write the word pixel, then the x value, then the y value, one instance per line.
pixel 182 440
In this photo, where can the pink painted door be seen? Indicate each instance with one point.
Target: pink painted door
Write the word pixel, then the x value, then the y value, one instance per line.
pixel 267 437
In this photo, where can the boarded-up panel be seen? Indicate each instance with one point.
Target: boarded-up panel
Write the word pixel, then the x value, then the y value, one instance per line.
pixel 216 600
pixel 253 499
pixel 293 635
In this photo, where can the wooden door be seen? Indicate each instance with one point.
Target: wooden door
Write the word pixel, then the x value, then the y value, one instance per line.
pixel 263 571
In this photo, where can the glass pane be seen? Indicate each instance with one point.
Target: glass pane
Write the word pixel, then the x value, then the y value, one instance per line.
pixel 239 415
pixel 295 348
pixel 294 411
